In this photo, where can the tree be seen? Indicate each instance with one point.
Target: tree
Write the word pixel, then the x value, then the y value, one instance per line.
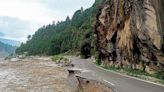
pixel 29 37
pixel 82 9
pixel 67 19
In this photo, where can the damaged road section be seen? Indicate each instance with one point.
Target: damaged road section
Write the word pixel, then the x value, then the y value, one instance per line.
pixel 82 81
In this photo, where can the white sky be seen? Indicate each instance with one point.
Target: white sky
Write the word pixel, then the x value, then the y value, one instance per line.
pixel 19 18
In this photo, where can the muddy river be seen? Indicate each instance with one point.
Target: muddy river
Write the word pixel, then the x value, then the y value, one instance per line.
pixel 32 75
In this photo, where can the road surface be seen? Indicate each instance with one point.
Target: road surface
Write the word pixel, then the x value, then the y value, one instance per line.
pixel 121 83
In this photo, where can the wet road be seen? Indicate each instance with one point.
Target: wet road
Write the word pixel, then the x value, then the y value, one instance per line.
pixel 121 83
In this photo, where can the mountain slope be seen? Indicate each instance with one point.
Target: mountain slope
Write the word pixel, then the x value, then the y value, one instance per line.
pixel 10 42
pixel 62 36
pixel 6 49
pixel 3 54
pixel 1 34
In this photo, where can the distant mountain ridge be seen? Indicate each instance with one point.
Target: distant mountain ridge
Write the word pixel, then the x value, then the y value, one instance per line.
pixel 6 49
pixel 3 54
pixel 10 42
pixel 1 34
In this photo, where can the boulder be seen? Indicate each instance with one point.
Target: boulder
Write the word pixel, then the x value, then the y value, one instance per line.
pixel 140 66
pixel 150 70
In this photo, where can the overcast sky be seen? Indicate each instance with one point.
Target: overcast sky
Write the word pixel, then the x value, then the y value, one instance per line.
pixel 19 18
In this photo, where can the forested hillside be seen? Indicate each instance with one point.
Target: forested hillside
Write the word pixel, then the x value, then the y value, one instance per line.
pixel 62 36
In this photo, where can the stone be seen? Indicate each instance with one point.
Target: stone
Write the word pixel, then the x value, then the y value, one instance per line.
pixel 150 70
pixel 140 66
pixel 131 35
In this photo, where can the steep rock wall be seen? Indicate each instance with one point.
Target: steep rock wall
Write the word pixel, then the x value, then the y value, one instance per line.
pixel 130 34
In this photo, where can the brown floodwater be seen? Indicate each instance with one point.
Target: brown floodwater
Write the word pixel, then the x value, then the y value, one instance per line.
pixel 32 75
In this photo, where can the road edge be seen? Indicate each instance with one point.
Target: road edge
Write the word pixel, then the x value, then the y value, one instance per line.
pixel 128 76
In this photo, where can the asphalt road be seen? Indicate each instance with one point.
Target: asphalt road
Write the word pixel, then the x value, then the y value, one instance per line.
pixel 121 83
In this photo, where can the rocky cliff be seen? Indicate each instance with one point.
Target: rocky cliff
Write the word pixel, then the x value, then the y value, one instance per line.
pixel 130 34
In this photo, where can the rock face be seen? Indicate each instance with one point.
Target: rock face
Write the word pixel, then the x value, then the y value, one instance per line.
pixel 130 33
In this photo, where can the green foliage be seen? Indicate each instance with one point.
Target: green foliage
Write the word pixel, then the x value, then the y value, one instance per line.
pixel 63 36
pixel 129 71
pixel 98 61
pixel 57 58
pixel 159 75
